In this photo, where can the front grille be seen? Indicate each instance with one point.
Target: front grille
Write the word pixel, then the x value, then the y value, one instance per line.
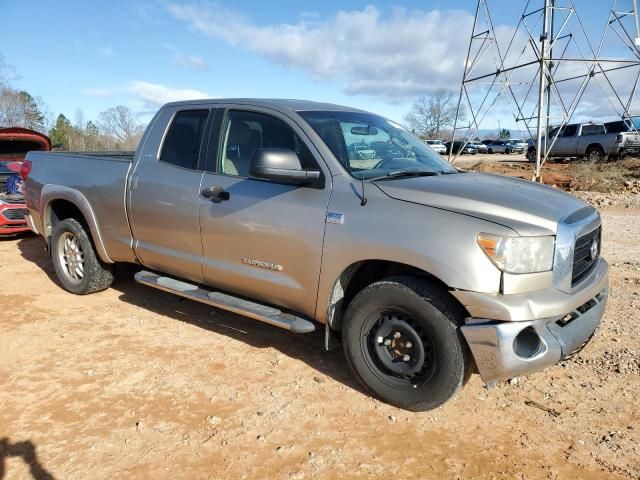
pixel 14 213
pixel 583 260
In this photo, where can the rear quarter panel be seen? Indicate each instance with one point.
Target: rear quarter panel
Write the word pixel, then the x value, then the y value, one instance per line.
pixel 96 185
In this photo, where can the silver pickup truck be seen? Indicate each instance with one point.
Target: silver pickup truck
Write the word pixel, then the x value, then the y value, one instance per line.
pixel 592 141
pixel 425 273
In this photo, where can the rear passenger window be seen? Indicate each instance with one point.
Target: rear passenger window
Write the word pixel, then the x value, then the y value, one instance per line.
pixel 247 131
pixel 182 144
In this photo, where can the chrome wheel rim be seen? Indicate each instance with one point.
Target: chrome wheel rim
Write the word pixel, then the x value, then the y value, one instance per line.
pixel 71 257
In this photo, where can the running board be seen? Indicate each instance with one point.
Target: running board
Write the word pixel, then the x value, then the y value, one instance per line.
pixel 266 314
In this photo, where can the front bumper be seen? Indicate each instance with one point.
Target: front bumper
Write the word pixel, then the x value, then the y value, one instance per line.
pixel 521 345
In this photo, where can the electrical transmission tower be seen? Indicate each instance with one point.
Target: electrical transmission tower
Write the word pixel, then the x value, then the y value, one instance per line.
pixel 543 68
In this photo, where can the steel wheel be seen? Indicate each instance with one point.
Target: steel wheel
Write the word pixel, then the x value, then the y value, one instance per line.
pixel 398 349
pixel 71 257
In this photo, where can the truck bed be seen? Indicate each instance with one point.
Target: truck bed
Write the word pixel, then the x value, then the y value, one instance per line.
pixel 99 177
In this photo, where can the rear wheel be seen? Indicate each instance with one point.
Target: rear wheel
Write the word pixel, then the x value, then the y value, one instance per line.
pixel 531 155
pixel 402 341
pixel 77 266
pixel 595 154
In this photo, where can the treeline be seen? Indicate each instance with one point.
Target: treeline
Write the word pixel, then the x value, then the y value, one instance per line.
pixel 115 129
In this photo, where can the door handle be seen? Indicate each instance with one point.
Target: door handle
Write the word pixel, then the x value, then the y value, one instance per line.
pixel 215 194
pixel 134 182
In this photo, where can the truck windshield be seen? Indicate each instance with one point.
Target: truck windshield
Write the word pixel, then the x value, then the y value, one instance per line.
pixel 371 146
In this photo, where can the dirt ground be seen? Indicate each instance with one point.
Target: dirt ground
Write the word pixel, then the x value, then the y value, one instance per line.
pixel 133 382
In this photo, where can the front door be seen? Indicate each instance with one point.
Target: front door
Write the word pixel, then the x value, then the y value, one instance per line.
pixel 265 240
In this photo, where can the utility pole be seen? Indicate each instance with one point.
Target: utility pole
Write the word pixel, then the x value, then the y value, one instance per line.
pixel 543 81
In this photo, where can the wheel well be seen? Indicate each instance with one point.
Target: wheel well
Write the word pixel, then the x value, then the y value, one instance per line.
pixel 60 210
pixel 594 145
pixel 362 274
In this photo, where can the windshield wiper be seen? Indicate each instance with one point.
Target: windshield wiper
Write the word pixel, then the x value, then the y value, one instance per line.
pixel 406 173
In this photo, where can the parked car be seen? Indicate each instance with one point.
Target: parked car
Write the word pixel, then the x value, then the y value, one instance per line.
pixel 461 148
pixel 503 146
pixel 588 140
pixel 437 146
pixel 519 145
pixel 360 151
pixel 14 144
pixel 481 147
pixel 425 273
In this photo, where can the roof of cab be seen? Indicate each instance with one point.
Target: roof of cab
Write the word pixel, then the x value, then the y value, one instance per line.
pixel 275 103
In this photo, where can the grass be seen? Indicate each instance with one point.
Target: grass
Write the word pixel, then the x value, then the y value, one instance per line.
pixel 605 177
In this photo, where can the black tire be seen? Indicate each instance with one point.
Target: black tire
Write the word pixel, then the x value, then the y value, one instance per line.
pixel 489 150
pixel 78 269
pixel 439 363
pixel 531 155
pixel 595 154
pixel 507 151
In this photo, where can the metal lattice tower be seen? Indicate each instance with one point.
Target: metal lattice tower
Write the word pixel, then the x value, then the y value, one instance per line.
pixel 545 66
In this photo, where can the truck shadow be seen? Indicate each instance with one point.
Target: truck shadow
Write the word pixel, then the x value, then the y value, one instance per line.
pixel 308 347
pixel 27 451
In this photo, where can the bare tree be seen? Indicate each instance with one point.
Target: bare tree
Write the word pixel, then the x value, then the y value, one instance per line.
pixel 432 116
pixel 7 72
pixel 120 124
pixel 20 109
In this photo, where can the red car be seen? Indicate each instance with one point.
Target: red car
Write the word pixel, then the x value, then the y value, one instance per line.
pixel 14 144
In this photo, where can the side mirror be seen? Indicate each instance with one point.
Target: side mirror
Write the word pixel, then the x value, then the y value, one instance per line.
pixel 280 165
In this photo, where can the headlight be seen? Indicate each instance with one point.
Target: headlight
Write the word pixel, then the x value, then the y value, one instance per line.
pixel 519 254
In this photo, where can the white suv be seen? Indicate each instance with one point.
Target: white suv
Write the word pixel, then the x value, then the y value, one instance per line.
pixel 437 145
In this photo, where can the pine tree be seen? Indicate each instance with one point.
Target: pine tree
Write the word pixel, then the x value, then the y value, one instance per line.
pixel 60 133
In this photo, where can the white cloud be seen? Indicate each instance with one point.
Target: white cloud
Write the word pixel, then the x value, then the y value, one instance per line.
pixel 105 51
pixel 156 94
pixel 398 57
pixel 190 61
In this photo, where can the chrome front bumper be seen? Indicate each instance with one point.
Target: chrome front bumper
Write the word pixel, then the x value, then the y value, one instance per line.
pixel 504 350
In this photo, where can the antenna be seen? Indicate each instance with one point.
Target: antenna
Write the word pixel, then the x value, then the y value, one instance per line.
pixel 363 200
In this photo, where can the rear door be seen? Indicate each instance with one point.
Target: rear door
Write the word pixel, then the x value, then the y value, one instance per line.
pixel 265 240
pixel 165 192
pixel 592 133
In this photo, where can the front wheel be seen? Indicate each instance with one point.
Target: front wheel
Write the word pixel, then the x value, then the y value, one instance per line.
pixel 77 266
pixel 402 341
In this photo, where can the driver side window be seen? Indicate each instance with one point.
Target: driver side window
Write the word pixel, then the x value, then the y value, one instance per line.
pixel 245 132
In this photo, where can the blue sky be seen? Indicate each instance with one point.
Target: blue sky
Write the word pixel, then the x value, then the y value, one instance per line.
pixel 374 55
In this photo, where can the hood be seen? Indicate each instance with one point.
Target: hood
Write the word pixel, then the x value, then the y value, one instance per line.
pixel 528 208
